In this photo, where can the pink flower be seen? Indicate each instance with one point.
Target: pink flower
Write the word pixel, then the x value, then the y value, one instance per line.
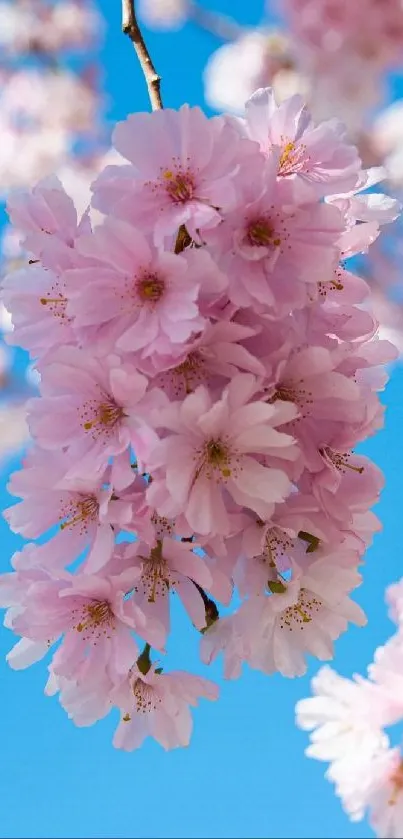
pixel 82 510
pixel 215 449
pixel 313 160
pixel 183 171
pixel 157 705
pixel 304 615
pixel 165 567
pixel 96 409
pixel 134 298
pixel 94 616
pixel 217 354
pixel 273 252
pixel 36 298
pixel 48 218
pixel 86 697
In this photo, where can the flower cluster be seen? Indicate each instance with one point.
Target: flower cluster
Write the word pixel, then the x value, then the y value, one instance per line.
pixel 47 102
pixel 349 718
pixel 207 363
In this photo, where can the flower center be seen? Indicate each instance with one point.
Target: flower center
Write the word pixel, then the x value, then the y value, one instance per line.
pixel 301 613
pixel 80 512
pixel 276 546
pixel 155 575
pixel 294 392
pixel 97 619
pixel 101 417
pixel 218 456
pixel 56 302
pixel 293 158
pixel 179 185
pixel 145 696
pixel 340 461
pixel 261 233
pixel 150 288
pixel 216 460
pixel 182 379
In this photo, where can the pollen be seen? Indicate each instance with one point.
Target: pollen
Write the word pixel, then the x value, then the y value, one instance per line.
pixel 79 513
pixel 340 461
pixel 97 620
pixel 293 158
pixel 216 460
pixel 178 183
pixel 101 417
pixel 155 575
pixel 150 288
pixel 277 545
pixel 295 392
pixel 56 302
pixel 301 613
pixel 261 233
pixel 146 698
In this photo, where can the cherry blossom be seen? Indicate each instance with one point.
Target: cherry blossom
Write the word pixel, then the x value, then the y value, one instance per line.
pixel 207 362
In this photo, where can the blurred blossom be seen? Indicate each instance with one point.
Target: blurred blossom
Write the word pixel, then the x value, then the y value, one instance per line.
pixel 164 14
pixel 50 122
pixel 256 59
pixel 32 25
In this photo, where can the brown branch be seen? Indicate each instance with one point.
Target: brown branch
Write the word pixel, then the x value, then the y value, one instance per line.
pixel 131 28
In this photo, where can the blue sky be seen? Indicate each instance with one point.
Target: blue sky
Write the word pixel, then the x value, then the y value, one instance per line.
pixel 245 773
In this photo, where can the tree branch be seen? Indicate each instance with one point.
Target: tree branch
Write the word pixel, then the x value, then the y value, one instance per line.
pixel 131 28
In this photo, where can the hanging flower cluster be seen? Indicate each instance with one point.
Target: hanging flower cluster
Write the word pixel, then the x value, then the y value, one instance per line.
pixel 207 364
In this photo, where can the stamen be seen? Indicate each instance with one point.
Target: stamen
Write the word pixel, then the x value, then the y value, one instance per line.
pixel 294 392
pixel 56 304
pixel 261 233
pixel 81 512
pixel 155 575
pixel 293 158
pixel 301 613
pixel 216 460
pixel 97 619
pixel 102 416
pixel 150 288
pixel 146 698
pixel 340 461
pixel 179 185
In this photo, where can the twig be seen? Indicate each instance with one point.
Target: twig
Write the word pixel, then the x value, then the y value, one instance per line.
pixel 217 24
pixel 131 28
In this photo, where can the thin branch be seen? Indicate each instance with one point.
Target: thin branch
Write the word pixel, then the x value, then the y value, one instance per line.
pixel 131 28
pixel 221 26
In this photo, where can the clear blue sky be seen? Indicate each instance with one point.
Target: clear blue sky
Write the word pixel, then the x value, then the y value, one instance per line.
pixel 245 773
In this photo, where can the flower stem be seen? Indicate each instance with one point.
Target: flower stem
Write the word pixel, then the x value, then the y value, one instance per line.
pixel 131 28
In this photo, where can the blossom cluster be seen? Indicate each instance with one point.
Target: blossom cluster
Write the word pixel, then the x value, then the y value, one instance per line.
pixel 207 361
pixel 46 103
pixel 349 717
pixel 336 54
pixel 47 27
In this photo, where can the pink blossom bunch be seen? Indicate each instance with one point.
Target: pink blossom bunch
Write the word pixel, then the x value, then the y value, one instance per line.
pixel 338 29
pixel 348 718
pixel 207 363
